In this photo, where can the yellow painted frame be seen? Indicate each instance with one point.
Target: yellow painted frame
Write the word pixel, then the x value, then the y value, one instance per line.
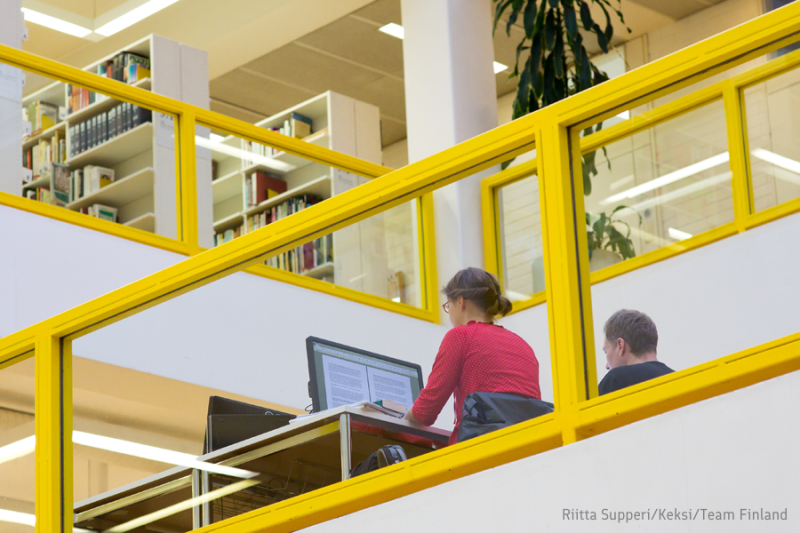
pixel 554 131
pixel 186 118
pixel 730 91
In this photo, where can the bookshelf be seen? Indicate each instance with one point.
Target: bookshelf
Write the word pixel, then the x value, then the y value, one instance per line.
pixel 339 123
pixel 141 155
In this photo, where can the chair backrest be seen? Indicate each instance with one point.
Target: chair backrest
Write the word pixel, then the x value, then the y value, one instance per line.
pixel 484 412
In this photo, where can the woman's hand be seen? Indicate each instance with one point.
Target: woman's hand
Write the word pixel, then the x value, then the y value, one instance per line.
pixel 410 417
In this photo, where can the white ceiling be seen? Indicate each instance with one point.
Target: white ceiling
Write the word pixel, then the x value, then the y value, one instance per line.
pixel 267 55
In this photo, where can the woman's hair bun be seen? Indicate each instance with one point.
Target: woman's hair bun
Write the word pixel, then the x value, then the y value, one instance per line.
pixel 479 287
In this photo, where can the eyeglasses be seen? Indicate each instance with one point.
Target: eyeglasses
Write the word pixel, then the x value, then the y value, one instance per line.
pixel 446 307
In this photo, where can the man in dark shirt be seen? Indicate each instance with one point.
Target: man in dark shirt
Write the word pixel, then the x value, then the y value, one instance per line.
pixel 630 348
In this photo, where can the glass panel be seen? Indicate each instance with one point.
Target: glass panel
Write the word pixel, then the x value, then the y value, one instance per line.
pixel 660 186
pixel 254 185
pixel 98 156
pixel 773 135
pixel 521 238
pixel 17 447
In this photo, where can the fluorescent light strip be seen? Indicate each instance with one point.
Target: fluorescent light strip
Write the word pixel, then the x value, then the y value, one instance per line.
pixel 499 67
pixel 23 447
pixel 28 519
pixel 55 24
pixel 666 179
pixel 155 454
pixel 133 16
pixel 680 193
pixel 243 154
pixel 17 518
pixel 18 449
pixel 679 235
pixel 395 30
pixel 182 506
pixel 787 170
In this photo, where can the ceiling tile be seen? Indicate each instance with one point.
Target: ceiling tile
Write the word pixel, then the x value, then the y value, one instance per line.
pixel 676 9
pixel 386 93
pixel 312 70
pixel 236 112
pixel 44 41
pixel 382 12
pixel 257 94
pixel 360 42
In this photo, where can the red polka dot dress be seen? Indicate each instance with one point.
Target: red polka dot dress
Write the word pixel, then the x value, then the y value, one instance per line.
pixel 477 357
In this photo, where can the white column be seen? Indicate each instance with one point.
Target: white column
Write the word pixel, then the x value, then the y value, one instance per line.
pixel 450 97
pixel 11 27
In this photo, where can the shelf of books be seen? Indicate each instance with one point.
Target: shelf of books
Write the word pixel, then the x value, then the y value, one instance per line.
pixel 254 185
pixel 90 153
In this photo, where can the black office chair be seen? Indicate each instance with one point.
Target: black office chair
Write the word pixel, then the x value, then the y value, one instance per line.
pixel 484 412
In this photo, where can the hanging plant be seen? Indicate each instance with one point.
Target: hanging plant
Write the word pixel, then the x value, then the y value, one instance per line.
pixel 602 234
pixel 558 64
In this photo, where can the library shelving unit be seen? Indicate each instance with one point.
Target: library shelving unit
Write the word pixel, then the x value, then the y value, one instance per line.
pixel 339 123
pixel 143 158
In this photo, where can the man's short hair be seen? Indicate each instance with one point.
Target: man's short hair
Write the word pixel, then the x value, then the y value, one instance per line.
pixel 635 328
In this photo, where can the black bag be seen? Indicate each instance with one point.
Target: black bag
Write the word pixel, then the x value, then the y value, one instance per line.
pixel 484 412
pixel 388 455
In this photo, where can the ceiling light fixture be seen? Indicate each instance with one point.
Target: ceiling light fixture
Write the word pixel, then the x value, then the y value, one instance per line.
pixel 395 30
pixel 672 177
pixel 133 16
pixel 499 67
pixel 54 23
pixel 679 235
pixel 243 154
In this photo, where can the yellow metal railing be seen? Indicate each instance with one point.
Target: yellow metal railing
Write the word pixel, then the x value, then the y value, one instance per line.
pixel 731 93
pixel 187 117
pixel 554 131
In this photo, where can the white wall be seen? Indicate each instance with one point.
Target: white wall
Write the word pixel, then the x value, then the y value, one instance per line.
pixel 47 267
pixel 724 454
pixel 243 334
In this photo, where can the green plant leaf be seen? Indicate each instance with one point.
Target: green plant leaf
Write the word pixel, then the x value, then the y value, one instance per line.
pixel 601 38
pixel 520 49
pixel 498 12
pixel 535 65
pixel 570 21
pixel 554 4
pixel 516 6
pixel 558 47
pixel 586 16
pixel 550 30
pixel 529 17
pixel 549 80
pixel 539 26
pixel 609 31
pixel 524 87
pixel 584 70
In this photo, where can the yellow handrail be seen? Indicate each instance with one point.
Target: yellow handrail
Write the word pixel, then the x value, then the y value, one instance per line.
pixel 579 414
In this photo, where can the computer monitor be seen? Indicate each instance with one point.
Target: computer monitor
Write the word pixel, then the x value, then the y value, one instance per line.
pixel 230 421
pixel 342 375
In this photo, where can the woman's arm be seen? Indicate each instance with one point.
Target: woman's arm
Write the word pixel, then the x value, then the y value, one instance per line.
pixel 444 377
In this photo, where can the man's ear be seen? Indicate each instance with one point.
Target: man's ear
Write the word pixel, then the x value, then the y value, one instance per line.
pixel 621 345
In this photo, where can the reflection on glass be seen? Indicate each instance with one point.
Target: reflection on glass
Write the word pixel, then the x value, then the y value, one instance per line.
pixel 17 447
pixel 254 185
pixel 521 238
pixel 660 186
pixel 773 139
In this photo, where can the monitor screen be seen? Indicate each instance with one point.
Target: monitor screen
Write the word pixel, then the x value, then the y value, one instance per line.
pixel 342 375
